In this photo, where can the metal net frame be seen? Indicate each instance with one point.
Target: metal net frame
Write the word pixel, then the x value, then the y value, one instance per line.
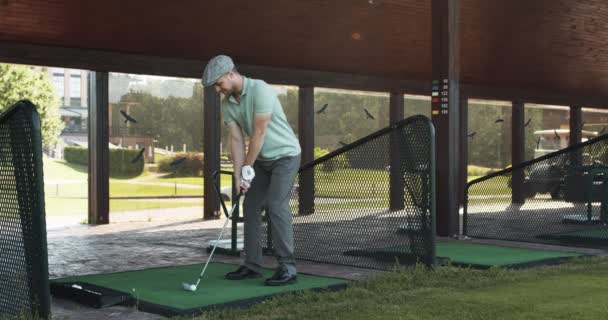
pixel 24 284
pixel 368 204
pixel 559 198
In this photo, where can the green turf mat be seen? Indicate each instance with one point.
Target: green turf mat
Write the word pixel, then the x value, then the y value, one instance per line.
pixel 162 287
pixel 600 234
pixel 476 255
pixel 492 255
pixel 594 234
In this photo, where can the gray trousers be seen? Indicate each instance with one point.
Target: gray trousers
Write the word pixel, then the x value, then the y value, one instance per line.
pixel 270 189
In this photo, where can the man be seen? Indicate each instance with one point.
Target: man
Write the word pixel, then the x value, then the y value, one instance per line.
pixel 266 173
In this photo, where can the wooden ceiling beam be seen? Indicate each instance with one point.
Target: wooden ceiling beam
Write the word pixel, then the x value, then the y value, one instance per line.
pixel 97 60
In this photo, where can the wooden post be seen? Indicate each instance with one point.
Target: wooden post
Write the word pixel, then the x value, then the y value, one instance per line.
pixel 306 134
pixel 464 147
pixel 576 125
pixel 211 150
pixel 99 166
pixel 445 110
pixel 576 133
pixel 517 150
pixel 397 191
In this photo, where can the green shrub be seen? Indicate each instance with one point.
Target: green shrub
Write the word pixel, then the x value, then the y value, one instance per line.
pixel 76 155
pixel 191 166
pixel 121 165
pixel 120 160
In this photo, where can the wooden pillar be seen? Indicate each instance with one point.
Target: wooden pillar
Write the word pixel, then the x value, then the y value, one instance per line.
pixel 99 165
pixel 211 150
pixel 397 187
pixel 576 133
pixel 445 110
pixel 306 134
pixel 464 147
pixel 517 150
pixel 576 125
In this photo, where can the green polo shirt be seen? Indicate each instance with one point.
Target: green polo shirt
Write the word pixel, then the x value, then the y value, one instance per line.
pixel 259 97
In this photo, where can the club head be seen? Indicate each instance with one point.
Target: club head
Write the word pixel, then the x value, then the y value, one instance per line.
pixel 188 286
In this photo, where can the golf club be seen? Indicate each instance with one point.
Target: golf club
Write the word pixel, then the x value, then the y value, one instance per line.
pixel 193 287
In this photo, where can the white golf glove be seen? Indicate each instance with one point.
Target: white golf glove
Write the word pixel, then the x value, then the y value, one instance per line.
pixel 245 185
pixel 247 173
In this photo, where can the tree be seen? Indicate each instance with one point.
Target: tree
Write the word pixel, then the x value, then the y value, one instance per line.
pixel 23 82
pixel 170 120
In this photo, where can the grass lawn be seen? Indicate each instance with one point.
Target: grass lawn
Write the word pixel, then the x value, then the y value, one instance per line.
pixel 351 183
pixel 118 189
pixel 129 205
pixel 494 186
pixel 122 189
pixel 54 169
pixel 225 180
pixel 342 183
pixel 59 190
pixel 576 290
pixel 62 206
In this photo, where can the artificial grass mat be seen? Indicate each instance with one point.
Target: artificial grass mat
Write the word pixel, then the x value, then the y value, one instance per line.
pixel 159 290
pixel 477 255
pixel 590 235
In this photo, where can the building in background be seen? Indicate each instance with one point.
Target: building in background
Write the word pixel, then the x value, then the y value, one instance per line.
pixel 72 88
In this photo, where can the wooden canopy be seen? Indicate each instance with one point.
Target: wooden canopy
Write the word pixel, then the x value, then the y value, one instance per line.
pixel 544 51
pixel 553 46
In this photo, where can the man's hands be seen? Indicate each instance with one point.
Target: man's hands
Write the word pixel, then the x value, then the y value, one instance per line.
pixel 247 175
pixel 243 186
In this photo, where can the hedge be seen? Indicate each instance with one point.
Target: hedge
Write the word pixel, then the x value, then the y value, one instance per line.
pixel 121 165
pixel 183 165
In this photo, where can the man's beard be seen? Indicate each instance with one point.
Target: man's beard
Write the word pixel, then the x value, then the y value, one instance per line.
pixel 227 93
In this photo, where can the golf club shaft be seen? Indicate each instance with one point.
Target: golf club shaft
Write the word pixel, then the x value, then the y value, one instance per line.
pixel 217 242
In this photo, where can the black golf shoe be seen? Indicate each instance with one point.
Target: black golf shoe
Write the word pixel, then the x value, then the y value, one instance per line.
pixel 242 273
pixel 281 278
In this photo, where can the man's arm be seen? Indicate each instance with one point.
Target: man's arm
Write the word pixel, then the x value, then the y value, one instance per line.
pixel 237 149
pixel 260 123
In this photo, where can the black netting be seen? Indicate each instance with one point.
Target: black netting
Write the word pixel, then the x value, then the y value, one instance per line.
pixel 23 256
pixel 369 204
pixel 559 198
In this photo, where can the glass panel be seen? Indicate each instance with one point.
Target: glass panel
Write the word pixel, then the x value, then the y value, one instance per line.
pixel 415 104
pixel 343 116
pixel 547 129
pixel 489 134
pixel 595 123
pixel 156 148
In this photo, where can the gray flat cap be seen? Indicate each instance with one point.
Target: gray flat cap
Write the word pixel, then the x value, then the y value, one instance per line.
pixel 217 67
